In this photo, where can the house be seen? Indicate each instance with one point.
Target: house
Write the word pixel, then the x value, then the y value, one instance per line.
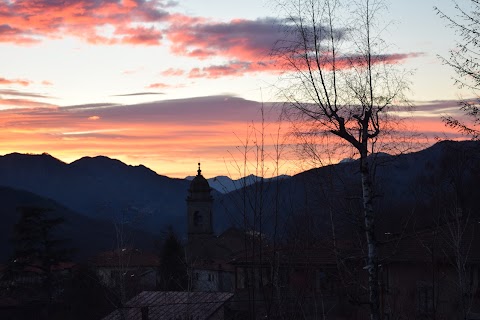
pixel 25 295
pixel 289 282
pixel 428 274
pixel 137 269
pixel 212 275
pixel 173 305
pixel 432 273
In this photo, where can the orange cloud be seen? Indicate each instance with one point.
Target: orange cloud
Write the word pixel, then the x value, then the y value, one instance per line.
pixel 170 136
pixel 30 21
pixel 25 103
pixel 158 85
pixel 22 82
pixel 166 136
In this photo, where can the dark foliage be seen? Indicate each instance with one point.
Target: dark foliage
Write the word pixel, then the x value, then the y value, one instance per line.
pixel 464 60
pixel 86 297
pixel 173 268
pixel 101 233
pixel 39 254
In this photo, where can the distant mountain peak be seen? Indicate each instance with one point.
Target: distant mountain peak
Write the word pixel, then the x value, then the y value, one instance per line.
pixel 45 155
pixel 97 159
pixel 44 158
pixel 224 184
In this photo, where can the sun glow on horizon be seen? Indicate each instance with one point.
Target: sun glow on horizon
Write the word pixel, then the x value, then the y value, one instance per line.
pixel 166 83
pixel 220 135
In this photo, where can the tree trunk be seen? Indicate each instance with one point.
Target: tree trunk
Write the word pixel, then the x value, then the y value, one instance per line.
pixel 372 258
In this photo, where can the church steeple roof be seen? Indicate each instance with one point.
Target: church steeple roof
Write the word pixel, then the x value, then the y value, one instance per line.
pixel 199 184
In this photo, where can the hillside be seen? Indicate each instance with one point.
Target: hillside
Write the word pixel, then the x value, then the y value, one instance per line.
pixel 411 190
pixel 100 188
pixel 409 187
pixel 84 234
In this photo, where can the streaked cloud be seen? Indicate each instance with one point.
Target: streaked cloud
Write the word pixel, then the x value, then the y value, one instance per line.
pixel 162 135
pixel 248 46
pixel 243 46
pixel 137 94
pixel 9 92
pixel 166 135
pixel 159 85
pixel 25 103
pixel 89 106
pixel 21 82
pixel 242 39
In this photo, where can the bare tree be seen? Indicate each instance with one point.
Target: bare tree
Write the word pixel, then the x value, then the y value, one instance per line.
pixel 343 83
pixel 464 59
pixel 458 232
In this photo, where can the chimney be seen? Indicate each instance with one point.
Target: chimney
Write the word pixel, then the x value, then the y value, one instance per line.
pixel 144 311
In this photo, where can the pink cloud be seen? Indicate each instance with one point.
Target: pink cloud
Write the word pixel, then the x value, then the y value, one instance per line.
pixel 25 103
pixel 30 21
pixel 233 68
pixel 166 132
pixel 242 39
pixel 240 68
pixel 159 85
pixel 247 45
pixel 22 82
pixel 172 72
pixel 244 44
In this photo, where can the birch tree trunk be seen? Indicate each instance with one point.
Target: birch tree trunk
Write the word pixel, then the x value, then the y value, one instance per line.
pixel 372 256
pixel 341 81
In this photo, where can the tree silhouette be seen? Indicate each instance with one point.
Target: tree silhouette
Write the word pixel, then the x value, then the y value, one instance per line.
pixel 38 250
pixel 343 83
pixel 464 59
pixel 173 268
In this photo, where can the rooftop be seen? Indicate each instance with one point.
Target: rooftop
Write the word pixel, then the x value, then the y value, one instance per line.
pixel 167 305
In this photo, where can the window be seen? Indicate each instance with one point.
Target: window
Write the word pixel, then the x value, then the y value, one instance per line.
pixel 197 219
pixel 424 297
pixel 324 282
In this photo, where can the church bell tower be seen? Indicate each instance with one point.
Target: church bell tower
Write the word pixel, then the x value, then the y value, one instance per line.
pixel 199 207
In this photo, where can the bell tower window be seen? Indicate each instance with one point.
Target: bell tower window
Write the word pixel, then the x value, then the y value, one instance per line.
pixel 197 219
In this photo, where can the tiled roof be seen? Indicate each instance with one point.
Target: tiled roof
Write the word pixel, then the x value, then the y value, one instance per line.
pixel 213 248
pixel 170 305
pixel 126 257
pixel 410 247
pixel 212 264
pixel 437 241
pixel 318 254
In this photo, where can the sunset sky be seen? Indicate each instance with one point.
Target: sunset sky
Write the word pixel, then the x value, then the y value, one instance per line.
pixel 170 83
